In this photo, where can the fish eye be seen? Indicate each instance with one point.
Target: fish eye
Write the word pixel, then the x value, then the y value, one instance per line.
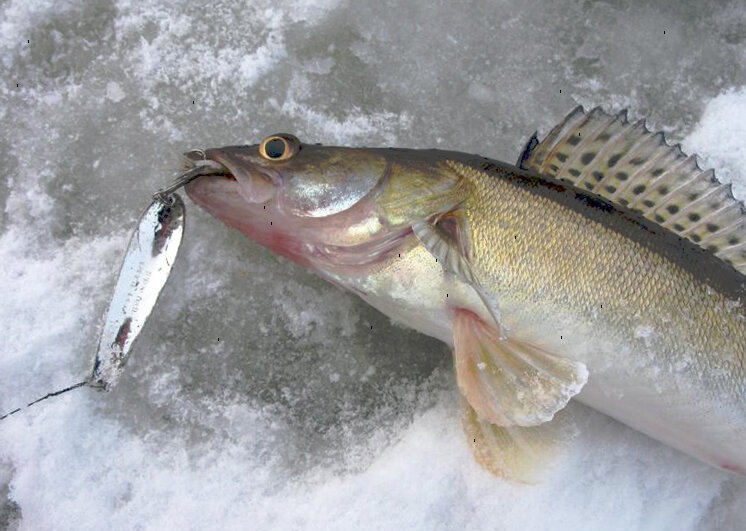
pixel 279 147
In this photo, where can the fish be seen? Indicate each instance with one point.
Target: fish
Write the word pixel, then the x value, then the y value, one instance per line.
pixel 605 266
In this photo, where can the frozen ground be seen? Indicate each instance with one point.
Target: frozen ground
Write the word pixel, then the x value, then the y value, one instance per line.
pixel 258 397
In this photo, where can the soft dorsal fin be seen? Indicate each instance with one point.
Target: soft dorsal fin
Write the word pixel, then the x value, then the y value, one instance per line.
pixel 629 165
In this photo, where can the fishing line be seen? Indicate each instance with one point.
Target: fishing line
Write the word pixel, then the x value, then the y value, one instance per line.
pixel 48 395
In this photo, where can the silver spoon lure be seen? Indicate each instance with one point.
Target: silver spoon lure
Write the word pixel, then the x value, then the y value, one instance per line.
pixel 146 266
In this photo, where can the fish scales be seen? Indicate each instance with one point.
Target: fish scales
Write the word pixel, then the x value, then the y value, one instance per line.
pixel 552 263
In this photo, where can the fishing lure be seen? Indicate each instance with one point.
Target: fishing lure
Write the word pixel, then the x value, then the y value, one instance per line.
pixel 147 264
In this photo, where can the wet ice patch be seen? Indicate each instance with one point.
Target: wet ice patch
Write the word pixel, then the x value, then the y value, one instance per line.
pixel 355 126
pixel 184 49
pixel 308 313
pixel 20 17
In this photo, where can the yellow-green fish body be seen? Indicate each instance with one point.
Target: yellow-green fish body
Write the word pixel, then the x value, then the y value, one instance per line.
pixel 605 267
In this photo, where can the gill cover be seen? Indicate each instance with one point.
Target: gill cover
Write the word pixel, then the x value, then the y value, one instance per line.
pixel 317 181
pixel 404 187
pixel 320 182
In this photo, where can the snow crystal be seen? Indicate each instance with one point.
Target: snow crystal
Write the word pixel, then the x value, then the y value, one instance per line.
pixel 114 92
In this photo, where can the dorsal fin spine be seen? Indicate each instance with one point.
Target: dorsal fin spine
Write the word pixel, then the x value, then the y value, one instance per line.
pixel 738 264
pixel 630 152
pixel 589 140
pixel 733 248
pixel 536 154
pixel 585 118
pixel 697 202
pixel 666 199
pixel 653 185
pixel 612 142
pixel 528 150
pixel 724 190
pixel 721 232
pixel 656 141
pixel 683 188
pixel 645 168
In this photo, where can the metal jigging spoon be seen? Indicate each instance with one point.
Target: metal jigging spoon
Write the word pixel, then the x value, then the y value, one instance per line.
pixel 147 264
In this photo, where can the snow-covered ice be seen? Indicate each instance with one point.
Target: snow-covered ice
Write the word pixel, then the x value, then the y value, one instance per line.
pixel 258 397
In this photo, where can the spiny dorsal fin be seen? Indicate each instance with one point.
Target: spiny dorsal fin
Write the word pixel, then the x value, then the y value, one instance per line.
pixel 633 167
pixel 528 149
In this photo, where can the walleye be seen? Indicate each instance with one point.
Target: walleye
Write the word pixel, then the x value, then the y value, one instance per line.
pixel 605 266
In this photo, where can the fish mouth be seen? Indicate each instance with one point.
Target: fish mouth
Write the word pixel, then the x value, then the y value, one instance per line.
pixel 233 193
pixel 193 169
pixel 210 189
pixel 197 158
pixel 256 184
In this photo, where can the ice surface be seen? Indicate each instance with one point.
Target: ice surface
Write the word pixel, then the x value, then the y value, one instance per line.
pixel 258 396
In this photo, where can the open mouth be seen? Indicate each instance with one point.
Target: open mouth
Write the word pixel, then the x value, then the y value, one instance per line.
pixel 228 176
pixel 198 169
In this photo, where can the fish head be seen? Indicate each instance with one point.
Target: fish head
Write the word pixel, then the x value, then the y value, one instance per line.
pixel 321 206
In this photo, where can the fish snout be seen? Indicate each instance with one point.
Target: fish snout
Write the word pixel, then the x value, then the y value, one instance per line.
pixel 256 184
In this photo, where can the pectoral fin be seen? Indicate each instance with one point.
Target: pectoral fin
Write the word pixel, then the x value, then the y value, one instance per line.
pixel 447 239
pixel 516 453
pixel 508 382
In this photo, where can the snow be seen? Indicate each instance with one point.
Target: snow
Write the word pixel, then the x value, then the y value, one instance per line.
pixel 723 147
pixel 114 92
pixel 258 396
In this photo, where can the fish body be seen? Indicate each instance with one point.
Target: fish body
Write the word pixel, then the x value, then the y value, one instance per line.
pixel 549 282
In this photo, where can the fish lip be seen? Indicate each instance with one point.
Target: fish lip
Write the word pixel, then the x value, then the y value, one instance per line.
pixel 257 184
pixel 236 165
